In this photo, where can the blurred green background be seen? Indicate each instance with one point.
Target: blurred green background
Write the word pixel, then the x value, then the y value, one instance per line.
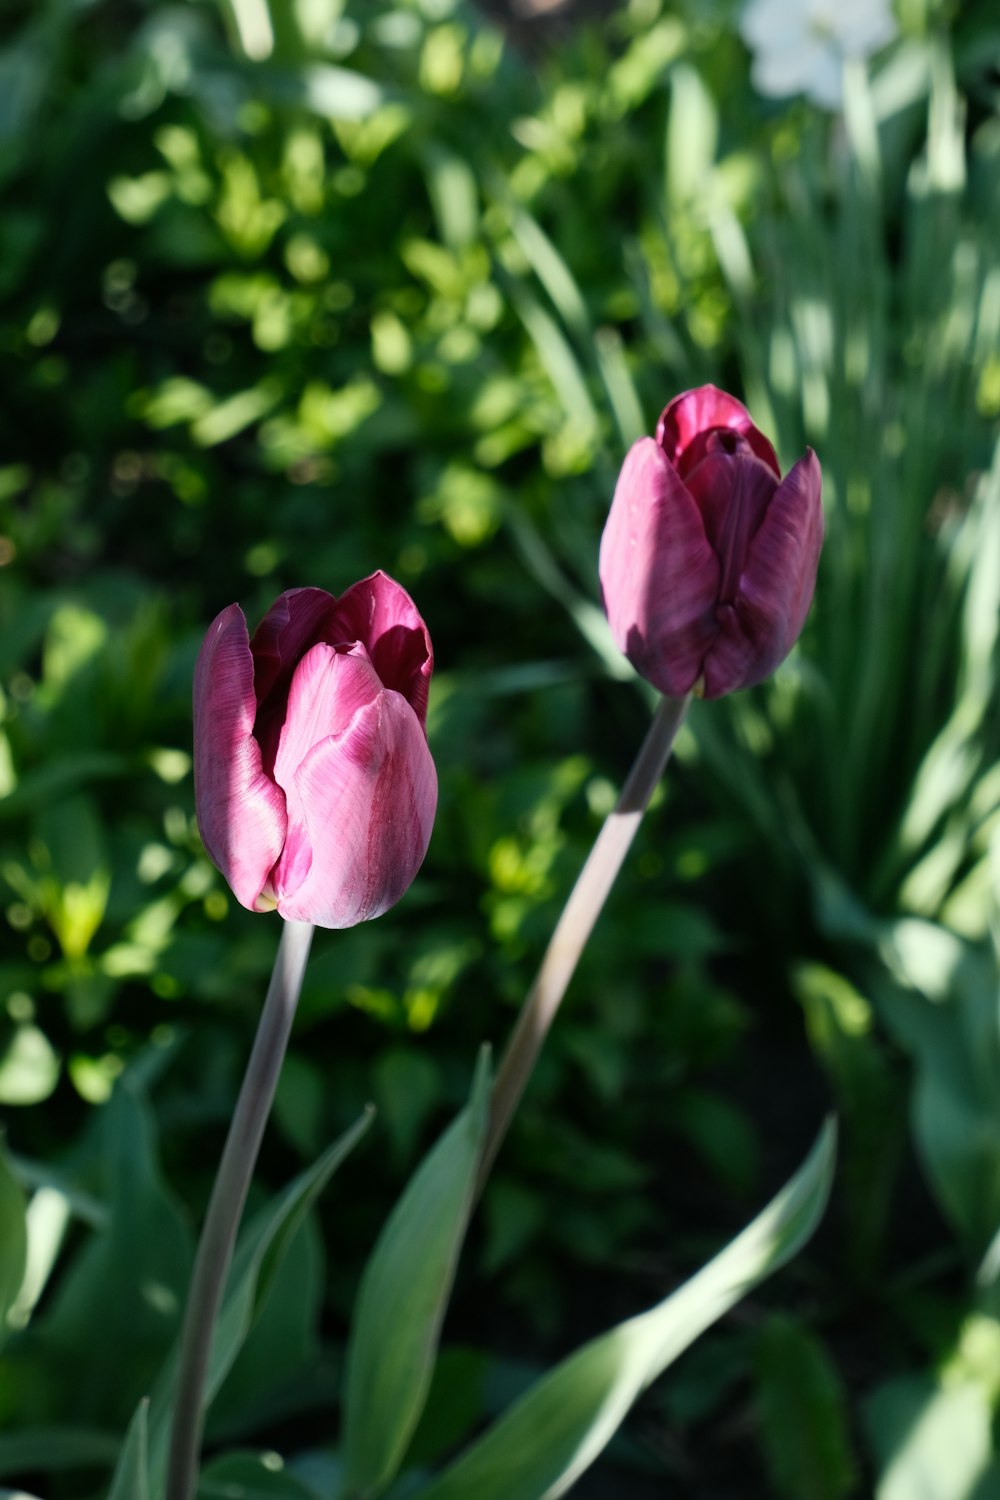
pixel 290 291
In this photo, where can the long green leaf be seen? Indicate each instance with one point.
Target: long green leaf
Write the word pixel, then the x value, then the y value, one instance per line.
pixel 403 1296
pixel 547 1439
pixel 131 1476
pixel 255 1265
pixel 13 1240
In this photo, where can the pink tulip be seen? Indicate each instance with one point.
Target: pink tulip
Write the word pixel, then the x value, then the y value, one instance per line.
pixel 314 786
pixel 709 557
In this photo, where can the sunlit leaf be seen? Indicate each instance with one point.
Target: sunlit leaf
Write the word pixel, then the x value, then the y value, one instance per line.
pixel 29 1067
pixel 932 1440
pixel 544 1443
pixel 13 1240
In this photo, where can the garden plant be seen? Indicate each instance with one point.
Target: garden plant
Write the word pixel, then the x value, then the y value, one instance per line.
pixel 363 315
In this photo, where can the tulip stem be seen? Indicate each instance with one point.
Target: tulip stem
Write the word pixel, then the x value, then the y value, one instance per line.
pixel 225 1208
pixel 576 924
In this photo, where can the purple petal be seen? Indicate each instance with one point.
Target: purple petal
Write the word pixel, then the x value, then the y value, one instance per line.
pixel 732 490
pixel 296 620
pixel 380 613
pixel 757 631
pixel 687 421
pixel 241 813
pixel 363 804
pixel 659 575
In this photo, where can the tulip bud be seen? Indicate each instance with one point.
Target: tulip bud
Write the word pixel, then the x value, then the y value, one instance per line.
pixel 314 786
pixel 708 559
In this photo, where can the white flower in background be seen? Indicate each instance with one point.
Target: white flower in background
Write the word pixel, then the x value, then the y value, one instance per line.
pixel 799 46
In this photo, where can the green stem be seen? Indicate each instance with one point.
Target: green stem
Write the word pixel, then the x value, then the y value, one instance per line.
pixel 576 924
pixel 218 1236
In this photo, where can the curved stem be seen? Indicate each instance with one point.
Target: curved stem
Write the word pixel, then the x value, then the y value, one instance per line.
pixel 576 924
pixel 225 1208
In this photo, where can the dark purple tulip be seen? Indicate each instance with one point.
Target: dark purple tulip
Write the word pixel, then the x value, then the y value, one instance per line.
pixel 708 559
pixel 314 786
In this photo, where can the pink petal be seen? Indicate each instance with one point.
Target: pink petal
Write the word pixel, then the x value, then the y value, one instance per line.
pixel 328 689
pixel 380 613
pixel 241 813
pixel 687 421
pixel 757 631
pixel 363 803
pixel 659 575
pixel 296 620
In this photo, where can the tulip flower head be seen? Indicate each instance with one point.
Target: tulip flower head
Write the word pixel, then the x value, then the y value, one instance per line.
pixel 314 786
pixel 708 559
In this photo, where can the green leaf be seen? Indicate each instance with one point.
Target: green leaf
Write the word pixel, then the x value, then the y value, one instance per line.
pixel 29 1067
pixel 953 1039
pixel 115 1312
pixel 931 1440
pixel 51 1449
pixel 454 193
pixel 403 1296
pixel 842 1031
pixel 251 1476
pixel 59 776
pixel 541 1446
pixel 262 1249
pixel 802 1412
pixel 130 1480
pixel 13 1240
pixel 456 1405
pixel 559 361
pixel 332 93
pixel 692 135
pixel 282 1344
pixel 259 1255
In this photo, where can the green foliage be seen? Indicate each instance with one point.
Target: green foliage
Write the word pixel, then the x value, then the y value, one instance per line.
pixel 116 1309
pixel 291 292
pixel 13 1241
pixel 402 1300
pixel 803 1422
pixel 946 1016
pixel 932 1436
pixel 245 1476
pixel 129 1481
pixel 842 1031
pixel 542 1445
pixel 257 1262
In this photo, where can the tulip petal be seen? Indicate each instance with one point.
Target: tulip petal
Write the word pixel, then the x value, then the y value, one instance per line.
pixel 327 691
pixel 659 575
pixel 330 685
pixel 688 421
pixel 296 620
pixel 363 801
pixel 732 491
pixel 757 631
pixel 380 613
pixel 241 813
